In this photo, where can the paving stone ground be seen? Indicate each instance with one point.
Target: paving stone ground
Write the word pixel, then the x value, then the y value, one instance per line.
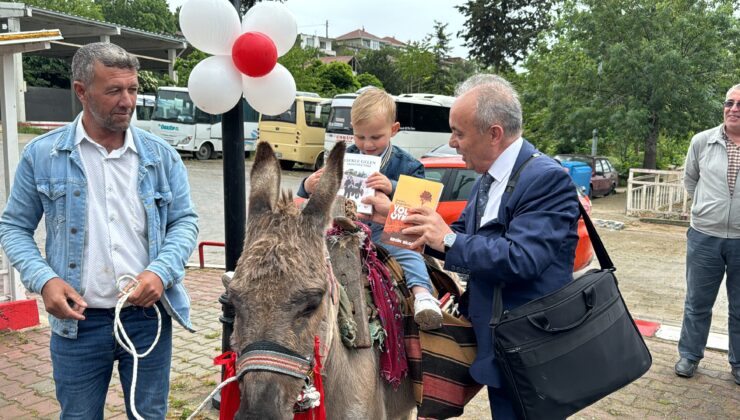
pixel 650 262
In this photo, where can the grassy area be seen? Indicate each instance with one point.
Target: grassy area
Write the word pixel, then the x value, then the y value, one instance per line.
pixel 30 130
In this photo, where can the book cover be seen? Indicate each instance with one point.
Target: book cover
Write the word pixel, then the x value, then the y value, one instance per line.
pixel 357 168
pixel 410 192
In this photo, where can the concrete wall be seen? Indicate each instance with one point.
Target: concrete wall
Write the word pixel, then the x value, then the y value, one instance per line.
pixel 51 104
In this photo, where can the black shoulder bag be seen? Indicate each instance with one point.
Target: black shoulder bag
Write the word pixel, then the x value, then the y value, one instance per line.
pixel 570 348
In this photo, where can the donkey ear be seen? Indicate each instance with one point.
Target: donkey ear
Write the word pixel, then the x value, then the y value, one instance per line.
pixel 264 180
pixel 321 200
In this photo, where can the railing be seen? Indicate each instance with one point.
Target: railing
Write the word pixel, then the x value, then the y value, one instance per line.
pixel 200 250
pixel 652 192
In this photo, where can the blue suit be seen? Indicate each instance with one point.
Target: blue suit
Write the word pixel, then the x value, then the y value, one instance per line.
pixel 530 248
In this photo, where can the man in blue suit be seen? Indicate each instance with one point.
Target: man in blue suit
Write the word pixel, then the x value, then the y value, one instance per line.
pixel 524 239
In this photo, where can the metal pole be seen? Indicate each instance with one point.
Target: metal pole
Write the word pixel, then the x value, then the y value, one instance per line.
pixel 594 140
pixel 235 209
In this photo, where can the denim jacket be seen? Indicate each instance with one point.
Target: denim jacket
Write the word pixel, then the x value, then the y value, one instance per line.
pixel 50 182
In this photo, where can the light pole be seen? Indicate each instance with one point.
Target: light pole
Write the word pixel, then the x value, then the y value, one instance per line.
pixel 594 140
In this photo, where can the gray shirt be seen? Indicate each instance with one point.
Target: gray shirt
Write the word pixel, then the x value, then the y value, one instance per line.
pixel 714 211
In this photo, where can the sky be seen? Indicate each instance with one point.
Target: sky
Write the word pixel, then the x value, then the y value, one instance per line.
pixel 406 20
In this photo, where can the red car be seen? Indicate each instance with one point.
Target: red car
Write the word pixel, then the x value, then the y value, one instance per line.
pixel 458 182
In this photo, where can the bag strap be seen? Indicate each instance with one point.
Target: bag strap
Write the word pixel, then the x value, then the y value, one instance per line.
pixel 604 260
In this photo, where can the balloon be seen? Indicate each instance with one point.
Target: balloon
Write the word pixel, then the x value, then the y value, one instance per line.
pixel 272 94
pixel 274 20
pixel 211 26
pixel 254 54
pixel 215 84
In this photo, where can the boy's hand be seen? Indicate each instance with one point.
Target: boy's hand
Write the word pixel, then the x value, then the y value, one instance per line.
pixel 379 182
pixel 313 180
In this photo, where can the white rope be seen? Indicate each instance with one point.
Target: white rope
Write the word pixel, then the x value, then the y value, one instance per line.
pixel 119 332
pixel 208 398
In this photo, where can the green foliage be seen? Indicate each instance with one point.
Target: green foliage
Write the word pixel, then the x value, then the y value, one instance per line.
pixel 183 66
pixel 647 74
pixel 367 79
pixel 46 71
pixel 339 76
pixel 500 33
pixel 82 8
pixel 148 15
pixel 416 67
pixel 381 64
pixel 148 82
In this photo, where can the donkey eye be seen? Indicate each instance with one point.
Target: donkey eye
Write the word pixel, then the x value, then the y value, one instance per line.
pixel 307 301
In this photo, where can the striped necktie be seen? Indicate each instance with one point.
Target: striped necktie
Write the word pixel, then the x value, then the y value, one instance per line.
pixel 483 188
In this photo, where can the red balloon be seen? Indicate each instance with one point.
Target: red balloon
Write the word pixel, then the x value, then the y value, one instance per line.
pixel 254 54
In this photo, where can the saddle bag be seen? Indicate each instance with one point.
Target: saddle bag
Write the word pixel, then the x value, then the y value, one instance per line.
pixel 566 350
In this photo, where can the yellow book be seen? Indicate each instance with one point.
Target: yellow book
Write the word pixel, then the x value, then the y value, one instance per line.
pixel 411 192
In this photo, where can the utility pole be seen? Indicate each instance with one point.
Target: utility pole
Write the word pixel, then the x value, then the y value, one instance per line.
pixel 235 209
pixel 327 28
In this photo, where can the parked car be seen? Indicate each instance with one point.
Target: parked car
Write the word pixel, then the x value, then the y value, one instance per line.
pixel 604 178
pixel 458 182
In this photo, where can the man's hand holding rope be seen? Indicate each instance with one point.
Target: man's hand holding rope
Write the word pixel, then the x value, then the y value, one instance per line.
pixel 148 291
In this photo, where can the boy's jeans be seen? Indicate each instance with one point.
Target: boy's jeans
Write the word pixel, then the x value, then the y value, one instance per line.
pixel 708 259
pixel 414 267
pixel 83 367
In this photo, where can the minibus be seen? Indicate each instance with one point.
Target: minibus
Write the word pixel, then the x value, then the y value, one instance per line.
pixel 297 135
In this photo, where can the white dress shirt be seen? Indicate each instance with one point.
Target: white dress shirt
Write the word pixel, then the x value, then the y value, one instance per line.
pixel 116 231
pixel 500 171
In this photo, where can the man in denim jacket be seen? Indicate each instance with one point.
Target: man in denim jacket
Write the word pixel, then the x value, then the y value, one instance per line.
pixel 116 202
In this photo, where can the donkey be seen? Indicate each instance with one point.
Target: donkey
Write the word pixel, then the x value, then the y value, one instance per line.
pixel 284 294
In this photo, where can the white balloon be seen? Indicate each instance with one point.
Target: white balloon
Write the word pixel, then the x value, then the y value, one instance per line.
pixel 211 26
pixel 271 94
pixel 215 84
pixel 274 20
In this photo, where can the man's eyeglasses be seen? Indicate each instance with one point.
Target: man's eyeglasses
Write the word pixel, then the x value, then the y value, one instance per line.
pixel 730 103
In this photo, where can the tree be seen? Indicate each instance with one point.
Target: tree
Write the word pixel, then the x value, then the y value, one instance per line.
pixel 83 8
pixel 663 81
pixel 417 66
pixel 340 76
pixel 381 64
pixel 439 42
pixel 367 79
pixel 147 15
pixel 499 33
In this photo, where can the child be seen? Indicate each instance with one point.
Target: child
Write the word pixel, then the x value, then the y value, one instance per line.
pixel 374 122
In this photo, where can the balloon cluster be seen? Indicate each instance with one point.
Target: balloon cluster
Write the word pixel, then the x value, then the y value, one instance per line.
pixel 244 55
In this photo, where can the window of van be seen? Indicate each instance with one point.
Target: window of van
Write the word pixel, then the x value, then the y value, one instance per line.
pixel 339 120
pixel 287 116
pixel 419 117
pixel 311 119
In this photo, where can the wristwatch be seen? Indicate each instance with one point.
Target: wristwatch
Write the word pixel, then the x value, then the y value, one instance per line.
pixel 448 240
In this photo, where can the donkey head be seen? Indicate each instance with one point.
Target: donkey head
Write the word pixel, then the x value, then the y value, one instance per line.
pixel 280 289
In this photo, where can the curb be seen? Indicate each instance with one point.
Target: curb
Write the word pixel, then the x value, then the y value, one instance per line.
pixel 715 341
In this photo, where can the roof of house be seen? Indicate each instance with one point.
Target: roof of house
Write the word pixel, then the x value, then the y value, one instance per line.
pixel 393 41
pixel 358 33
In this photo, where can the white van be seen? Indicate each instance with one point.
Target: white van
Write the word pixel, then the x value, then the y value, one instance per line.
pixel 190 130
pixel 142 116
pixel 424 120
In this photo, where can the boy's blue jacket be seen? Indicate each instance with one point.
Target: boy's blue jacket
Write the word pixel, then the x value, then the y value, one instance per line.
pixel 50 182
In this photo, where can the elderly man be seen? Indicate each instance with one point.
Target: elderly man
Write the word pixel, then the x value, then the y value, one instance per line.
pixel 116 201
pixel 523 239
pixel 713 244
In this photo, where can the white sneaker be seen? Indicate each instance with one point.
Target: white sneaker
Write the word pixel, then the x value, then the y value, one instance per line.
pixel 427 313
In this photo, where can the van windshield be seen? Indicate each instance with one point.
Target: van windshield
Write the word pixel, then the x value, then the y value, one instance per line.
pixel 174 106
pixel 339 120
pixel 287 116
